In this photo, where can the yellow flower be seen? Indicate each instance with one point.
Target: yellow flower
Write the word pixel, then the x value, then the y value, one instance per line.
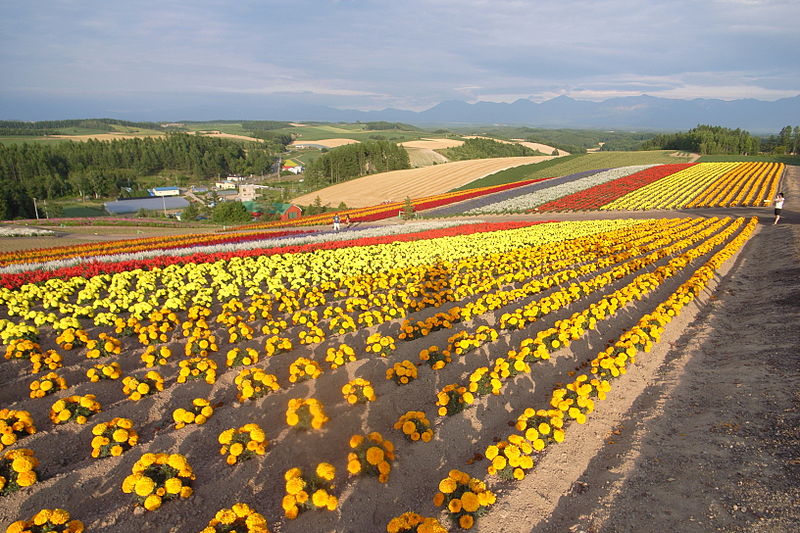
pixel 354 466
pixel 294 485
pixel 447 485
pixel 152 502
pixel 26 479
pixel 374 455
pixel 173 485
pixel 144 486
pixel 326 471
pixel 320 498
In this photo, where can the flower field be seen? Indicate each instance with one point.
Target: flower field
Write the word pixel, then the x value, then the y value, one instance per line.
pixel 675 186
pixel 640 187
pixel 399 378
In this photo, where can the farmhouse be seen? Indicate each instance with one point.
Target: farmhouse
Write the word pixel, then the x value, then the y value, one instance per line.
pixel 292 166
pixel 133 205
pixel 284 211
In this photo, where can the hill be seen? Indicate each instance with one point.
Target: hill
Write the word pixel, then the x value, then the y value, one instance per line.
pixel 415 182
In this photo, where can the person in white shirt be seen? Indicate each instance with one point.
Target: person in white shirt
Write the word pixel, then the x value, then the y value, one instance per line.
pixel 778 201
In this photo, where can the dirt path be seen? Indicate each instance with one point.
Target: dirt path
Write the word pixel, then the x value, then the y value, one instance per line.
pixel 711 440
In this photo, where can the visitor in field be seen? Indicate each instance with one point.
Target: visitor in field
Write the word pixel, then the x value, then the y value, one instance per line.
pixel 347 220
pixel 335 222
pixel 778 201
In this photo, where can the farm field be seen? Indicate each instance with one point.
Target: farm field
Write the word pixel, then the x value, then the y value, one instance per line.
pixel 591 161
pixel 661 316
pixel 396 185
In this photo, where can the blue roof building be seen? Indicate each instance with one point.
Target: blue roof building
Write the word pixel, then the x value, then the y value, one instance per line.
pixel 165 191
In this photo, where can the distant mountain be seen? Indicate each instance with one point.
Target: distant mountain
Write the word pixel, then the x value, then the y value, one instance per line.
pixel 628 113
pixel 634 112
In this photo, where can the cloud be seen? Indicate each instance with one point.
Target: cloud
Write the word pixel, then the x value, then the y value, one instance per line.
pixel 410 54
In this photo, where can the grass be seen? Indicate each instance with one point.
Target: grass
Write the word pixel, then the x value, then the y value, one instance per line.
pixel 305 157
pixel 349 131
pixel 11 140
pixel 233 128
pixel 785 159
pixel 84 211
pixel 571 164
pixel 77 130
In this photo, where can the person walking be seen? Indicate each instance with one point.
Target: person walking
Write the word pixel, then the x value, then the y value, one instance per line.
pixel 778 201
pixel 335 222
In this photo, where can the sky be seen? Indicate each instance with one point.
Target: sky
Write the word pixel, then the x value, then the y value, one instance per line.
pixel 181 59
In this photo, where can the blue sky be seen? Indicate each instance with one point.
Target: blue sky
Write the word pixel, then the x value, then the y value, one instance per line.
pixel 100 57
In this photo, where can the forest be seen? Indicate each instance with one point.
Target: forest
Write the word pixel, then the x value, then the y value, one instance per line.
pixel 53 127
pixel 104 168
pixel 706 139
pixel 356 160
pixel 482 148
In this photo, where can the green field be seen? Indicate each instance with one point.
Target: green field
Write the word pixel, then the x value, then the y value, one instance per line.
pixel 233 128
pixel 785 159
pixel 358 132
pixel 564 166
pixel 20 139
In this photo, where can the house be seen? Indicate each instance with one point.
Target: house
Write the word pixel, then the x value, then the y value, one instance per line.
pixel 133 205
pixel 225 185
pixel 284 211
pixel 164 191
pixel 228 194
pixel 248 192
pixel 292 166
pixel 235 178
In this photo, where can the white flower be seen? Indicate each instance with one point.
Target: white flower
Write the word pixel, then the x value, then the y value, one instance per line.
pixel 548 194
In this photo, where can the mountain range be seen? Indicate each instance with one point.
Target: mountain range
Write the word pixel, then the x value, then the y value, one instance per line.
pixel 641 113
pixel 629 113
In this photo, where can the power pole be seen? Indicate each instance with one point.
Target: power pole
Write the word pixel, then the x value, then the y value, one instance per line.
pixel 35 209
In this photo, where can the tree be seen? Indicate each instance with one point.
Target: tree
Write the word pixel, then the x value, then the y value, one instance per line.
pixel 230 213
pixel 191 212
pixel 786 137
pixel 408 209
pixel 316 208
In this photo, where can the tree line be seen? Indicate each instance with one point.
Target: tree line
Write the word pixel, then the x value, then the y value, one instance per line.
pixel 104 168
pixel 356 160
pixel 479 148
pixel 786 142
pixel 705 139
pixel 53 127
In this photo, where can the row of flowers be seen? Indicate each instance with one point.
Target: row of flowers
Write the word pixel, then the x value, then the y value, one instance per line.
pixel 530 201
pixel 679 190
pixel 487 380
pixel 166 242
pixel 513 457
pixel 748 184
pixel 604 193
pixel 197 248
pixel 463 496
pixel 204 283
